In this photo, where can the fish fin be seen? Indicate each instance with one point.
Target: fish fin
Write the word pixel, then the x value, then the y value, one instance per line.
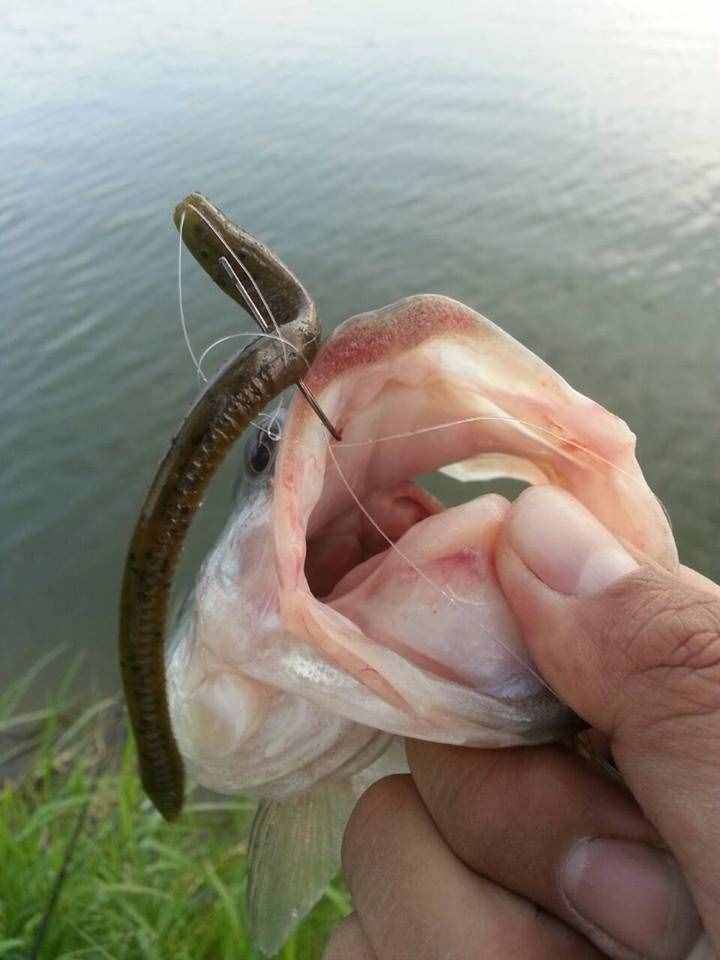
pixel 490 466
pixel 294 853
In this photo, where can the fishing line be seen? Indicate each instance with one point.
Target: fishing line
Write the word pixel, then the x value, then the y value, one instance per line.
pixel 262 321
pixel 265 420
pixel 451 597
pixel 421 573
pixel 270 419
pixel 183 324
pixel 507 419
pixel 526 423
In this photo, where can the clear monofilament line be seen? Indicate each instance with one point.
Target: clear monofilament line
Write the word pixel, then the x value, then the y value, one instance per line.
pixel 183 323
pixel 452 598
pixel 269 419
pixel 255 313
pixel 508 419
pixel 448 595
pixel 242 290
pixel 262 322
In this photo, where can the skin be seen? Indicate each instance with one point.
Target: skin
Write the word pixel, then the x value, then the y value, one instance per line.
pixel 221 413
pixel 485 853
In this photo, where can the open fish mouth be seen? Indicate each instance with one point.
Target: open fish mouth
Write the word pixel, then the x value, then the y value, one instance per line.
pixel 423 385
pixel 346 585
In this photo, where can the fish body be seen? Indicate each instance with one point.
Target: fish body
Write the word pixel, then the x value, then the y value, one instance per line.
pixel 344 608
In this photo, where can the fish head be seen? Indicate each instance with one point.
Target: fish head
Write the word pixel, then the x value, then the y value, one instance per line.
pixel 344 603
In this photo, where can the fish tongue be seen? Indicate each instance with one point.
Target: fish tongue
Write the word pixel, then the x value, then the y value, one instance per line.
pixel 436 600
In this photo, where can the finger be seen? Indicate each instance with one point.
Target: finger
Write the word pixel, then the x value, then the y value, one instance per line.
pixel 543 823
pixel 636 652
pixel 348 942
pixel 698 580
pixel 414 897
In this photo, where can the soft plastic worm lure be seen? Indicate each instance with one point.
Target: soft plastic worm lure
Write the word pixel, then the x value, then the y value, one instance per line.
pixel 275 299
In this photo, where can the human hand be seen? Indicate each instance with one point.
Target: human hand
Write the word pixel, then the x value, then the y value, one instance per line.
pixel 533 852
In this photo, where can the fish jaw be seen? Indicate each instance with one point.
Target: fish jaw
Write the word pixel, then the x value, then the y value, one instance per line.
pixel 311 638
pixel 423 628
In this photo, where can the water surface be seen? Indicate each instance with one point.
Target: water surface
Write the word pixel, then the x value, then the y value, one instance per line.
pixel 554 164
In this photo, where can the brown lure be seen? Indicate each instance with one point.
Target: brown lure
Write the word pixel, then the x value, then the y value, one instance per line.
pixel 254 377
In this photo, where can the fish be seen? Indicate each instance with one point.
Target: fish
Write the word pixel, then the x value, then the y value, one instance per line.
pixel 344 608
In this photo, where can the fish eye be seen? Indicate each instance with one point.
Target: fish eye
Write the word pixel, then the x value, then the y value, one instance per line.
pixel 259 452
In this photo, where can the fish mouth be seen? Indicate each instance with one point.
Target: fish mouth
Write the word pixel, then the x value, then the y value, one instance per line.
pixel 403 415
pixel 358 534
pixel 405 556
pixel 334 592
pixel 421 386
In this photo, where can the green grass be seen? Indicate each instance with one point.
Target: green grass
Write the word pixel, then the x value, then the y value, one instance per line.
pixel 136 887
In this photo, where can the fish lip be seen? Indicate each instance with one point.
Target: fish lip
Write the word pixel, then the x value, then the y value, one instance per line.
pixel 210 235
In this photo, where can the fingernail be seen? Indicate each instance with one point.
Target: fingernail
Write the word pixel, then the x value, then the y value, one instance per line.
pixel 632 895
pixel 564 545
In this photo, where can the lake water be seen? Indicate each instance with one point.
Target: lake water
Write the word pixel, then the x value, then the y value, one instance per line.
pixel 556 165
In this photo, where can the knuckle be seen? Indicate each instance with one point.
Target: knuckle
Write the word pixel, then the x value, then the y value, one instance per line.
pixel 671 645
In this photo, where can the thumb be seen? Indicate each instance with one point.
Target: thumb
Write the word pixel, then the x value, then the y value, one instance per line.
pixel 635 651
